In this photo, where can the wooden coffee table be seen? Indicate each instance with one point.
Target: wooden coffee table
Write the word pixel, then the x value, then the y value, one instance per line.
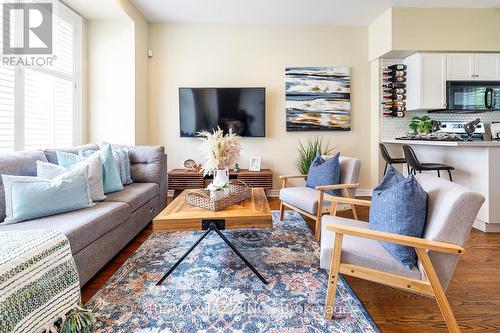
pixel 179 216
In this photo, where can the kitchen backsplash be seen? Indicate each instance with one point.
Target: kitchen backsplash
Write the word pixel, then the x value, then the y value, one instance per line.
pixel 395 127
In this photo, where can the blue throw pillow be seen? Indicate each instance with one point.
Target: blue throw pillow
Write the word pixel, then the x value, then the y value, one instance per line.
pixel 110 176
pixel 324 172
pixel 27 198
pixel 399 206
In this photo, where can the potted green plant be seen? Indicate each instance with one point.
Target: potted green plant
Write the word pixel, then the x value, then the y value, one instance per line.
pixel 422 125
pixel 217 190
pixel 308 151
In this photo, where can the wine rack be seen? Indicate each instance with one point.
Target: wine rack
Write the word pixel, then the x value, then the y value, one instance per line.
pixel 394 90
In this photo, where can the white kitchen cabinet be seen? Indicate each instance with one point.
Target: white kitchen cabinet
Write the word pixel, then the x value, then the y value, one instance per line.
pixel 487 66
pixel 460 66
pixel 473 66
pixel 426 81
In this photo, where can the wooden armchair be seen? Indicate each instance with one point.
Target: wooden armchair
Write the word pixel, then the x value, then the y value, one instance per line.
pixel 350 247
pixel 312 202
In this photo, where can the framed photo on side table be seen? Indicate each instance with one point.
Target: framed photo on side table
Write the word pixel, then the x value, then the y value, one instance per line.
pixel 255 162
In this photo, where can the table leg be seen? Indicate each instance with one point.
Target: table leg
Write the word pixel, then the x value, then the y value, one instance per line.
pixel 183 257
pixel 212 226
pixel 221 235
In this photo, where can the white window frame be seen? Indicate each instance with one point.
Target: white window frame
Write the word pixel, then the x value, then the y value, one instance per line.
pixel 64 12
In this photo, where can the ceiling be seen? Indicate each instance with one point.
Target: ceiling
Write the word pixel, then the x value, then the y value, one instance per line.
pixel 96 9
pixel 286 12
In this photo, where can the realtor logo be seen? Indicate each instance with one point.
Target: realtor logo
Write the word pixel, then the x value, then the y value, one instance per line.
pixel 27 28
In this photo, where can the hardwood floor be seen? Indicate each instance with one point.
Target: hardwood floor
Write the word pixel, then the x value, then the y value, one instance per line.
pixel 474 292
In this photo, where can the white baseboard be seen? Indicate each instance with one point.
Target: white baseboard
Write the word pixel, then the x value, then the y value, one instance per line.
pixel 486 227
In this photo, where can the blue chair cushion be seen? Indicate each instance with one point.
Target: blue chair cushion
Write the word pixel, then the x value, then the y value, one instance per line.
pixel 399 206
pixel 324 172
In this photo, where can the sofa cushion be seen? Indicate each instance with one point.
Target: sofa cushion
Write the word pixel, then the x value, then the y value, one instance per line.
pixel 51 154
pixel 82 227
pixel 451 211
pixel 21 163
pixel 135 194
pixel 304 198
pixel 360 251
pixel 145 162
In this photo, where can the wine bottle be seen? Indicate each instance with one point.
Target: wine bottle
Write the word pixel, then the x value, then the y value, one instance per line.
pixel 395 109
pixel 396 97
pixel 398 91
pixel 389 103
pixel 395 73
pixel 392 85
pixel 398 114
pixel 394 78
pixel 398 67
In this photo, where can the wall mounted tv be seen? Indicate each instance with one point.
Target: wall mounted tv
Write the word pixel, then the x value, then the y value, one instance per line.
pixel 239 109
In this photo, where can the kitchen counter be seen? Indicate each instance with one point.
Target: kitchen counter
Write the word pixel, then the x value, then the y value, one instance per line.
pixel 446 143
pixel 477 167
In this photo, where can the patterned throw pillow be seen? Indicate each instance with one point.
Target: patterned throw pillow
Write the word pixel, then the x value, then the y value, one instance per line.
pixel 399 206
pixel 324 172
pixel 122 159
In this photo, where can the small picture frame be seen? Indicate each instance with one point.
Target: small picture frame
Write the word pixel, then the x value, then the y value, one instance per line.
pixel 255 163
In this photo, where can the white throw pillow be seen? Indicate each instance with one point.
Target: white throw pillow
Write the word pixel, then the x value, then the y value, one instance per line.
pixel 50 171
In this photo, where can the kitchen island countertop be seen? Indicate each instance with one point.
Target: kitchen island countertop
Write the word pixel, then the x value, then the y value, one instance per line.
pixel 475 164
pixel 446 143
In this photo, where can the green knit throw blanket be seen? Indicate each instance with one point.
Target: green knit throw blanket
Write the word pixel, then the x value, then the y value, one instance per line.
pixel 39 285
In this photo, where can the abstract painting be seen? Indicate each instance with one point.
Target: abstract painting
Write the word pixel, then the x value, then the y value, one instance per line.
pixel 318 99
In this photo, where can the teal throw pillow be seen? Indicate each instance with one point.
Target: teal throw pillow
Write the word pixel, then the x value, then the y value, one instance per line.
pixel 27 198
pixel 110 175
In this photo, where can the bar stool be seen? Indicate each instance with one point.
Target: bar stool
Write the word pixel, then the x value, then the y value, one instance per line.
pixel 415 165
pixel 391 160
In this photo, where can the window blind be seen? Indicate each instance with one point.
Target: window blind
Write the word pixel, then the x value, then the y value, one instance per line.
pixel 39 106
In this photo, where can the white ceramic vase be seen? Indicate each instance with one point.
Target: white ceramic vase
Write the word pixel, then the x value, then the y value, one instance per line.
pixel 221 177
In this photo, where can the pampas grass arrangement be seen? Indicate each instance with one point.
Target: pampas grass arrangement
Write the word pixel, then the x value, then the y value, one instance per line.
pixel 308 151
pixel 220 151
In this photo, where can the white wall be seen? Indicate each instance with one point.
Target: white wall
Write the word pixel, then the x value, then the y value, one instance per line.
pixel 141 45
pixel 224 56
pixel 111 81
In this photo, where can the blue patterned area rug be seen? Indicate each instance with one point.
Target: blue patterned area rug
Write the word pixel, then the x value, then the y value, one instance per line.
pixel 213 290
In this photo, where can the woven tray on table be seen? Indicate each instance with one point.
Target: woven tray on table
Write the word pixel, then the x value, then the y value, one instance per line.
pixel 201 198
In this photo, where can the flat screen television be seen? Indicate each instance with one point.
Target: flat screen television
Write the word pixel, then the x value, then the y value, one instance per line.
pixel 239 109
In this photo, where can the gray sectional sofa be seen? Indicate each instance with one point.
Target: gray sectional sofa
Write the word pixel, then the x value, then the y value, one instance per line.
pixel 98 233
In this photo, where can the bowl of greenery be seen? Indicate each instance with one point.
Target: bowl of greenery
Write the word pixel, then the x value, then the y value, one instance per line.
pixel 421 125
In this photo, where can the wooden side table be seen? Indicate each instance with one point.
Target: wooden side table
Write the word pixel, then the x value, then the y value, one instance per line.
pixel 180 180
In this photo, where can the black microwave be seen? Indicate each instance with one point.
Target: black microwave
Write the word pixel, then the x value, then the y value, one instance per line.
pixel 473 96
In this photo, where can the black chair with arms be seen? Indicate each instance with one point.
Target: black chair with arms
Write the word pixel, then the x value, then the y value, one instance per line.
pixel 415 165
pixel 389 160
